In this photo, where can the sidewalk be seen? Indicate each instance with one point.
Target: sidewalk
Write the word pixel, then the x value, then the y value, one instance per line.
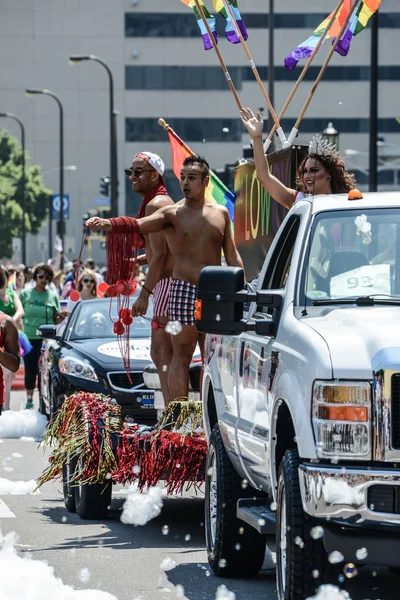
pixel 18 400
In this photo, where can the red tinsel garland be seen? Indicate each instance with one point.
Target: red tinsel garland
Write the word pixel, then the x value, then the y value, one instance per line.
pixel 175 458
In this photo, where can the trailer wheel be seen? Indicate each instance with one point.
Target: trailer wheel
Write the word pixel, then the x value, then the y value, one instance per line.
pixel 68 490
pixel 302 563
pixel 92 500
pixel 234 548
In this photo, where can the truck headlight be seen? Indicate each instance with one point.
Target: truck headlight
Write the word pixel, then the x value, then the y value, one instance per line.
pixel 341 419
pixel 69 365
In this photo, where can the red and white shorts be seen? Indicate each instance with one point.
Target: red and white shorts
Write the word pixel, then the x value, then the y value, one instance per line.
pixel 160 297
pixel 182 296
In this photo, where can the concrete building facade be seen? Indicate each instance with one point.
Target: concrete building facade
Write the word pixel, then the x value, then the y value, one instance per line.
pixel 160 69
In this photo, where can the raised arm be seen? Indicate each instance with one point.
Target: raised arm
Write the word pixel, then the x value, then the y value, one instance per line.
pixel 279 192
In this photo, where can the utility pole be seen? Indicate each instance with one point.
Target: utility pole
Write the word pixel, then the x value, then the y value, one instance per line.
pixel 373 117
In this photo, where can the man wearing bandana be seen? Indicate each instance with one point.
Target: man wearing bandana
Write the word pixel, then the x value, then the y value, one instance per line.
pixel 197 231
pixel 146 177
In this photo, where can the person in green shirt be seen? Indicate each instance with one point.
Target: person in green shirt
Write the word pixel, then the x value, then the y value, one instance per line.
pixel 41 306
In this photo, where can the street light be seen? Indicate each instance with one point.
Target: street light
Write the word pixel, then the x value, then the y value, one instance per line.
pixel 74 60
pixel 331 135
pixel 23 183
pixel 34 92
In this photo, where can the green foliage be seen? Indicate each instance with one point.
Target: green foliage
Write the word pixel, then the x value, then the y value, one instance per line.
pixel 11 194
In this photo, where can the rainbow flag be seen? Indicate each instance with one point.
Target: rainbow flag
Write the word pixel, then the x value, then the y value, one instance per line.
pixel 216 191
pixel 12 281
pixel 307 48
pixel 219 7
pixel 358 21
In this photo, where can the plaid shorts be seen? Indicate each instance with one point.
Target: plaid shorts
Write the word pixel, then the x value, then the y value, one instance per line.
pixel 160 295
pixel 182 296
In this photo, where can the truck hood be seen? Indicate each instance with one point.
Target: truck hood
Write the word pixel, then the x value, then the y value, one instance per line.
pixel 357 337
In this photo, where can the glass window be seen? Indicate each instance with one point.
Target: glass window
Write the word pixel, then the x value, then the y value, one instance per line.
pixel 190 130
pixel 353 253
pixel 183 24
pixel 180 78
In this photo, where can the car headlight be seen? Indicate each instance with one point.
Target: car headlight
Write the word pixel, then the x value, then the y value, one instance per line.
pixel 69 365
pixel 341 412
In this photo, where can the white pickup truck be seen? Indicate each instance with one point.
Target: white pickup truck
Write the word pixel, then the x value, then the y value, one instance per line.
pixel 301 398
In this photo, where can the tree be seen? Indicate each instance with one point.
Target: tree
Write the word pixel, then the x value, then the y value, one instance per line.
pixel 11 191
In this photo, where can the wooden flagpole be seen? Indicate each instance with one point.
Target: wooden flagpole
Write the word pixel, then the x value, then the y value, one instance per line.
pixel 295 129
pixel 221 60
pixel 255 71
pixel 305 69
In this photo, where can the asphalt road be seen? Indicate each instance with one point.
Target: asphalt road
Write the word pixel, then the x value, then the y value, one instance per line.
pixel 125 560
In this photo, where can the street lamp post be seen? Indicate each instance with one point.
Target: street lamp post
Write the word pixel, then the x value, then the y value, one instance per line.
pixel 34 92
pixel 23 182
pixel 78 58
pixel 331 135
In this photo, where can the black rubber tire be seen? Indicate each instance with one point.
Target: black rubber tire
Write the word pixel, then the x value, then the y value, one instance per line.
pixel 301 560
pixel 231 554
pixel 93 500
pixel 68 490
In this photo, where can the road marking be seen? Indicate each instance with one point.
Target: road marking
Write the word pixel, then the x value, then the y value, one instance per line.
pixel 5 512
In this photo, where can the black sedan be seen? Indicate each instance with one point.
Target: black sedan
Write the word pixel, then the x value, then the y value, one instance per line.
pixel 86 356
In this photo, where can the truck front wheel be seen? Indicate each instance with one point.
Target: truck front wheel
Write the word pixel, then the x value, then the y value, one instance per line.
pixel 234 548
pixel 302 563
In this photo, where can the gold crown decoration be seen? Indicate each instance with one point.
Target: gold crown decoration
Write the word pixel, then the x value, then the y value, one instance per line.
pixel 320 146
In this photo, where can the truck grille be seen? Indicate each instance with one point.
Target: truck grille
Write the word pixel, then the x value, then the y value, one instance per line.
pixel 384 499
pixel 395 410
pixel 120 380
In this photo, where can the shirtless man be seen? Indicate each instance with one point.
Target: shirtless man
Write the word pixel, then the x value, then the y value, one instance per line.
pixel 196 231
pixel 146 177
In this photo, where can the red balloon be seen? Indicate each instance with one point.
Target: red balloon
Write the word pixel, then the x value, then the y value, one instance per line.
pixel 111 291
pixel 133 287
pixel 118 328
pixel 127 320
pixel 102 287
pixel 75 296
pixel 120 287
pixel 123 312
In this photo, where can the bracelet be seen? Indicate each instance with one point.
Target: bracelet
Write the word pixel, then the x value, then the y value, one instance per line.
pixel 147 290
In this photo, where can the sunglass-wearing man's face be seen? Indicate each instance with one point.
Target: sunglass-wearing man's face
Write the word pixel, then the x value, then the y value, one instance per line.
pixel 142 176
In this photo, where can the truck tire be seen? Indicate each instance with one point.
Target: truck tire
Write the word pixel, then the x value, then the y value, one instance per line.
pixel 234 548
pixel 68 490
pixel 298 556
pixel 93 500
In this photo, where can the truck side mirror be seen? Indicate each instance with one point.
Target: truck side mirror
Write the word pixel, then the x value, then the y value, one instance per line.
pixel 221 295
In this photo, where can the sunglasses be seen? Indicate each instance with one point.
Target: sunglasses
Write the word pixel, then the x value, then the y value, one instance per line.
pixel 40 276
pixel 88 280
pixel 135 172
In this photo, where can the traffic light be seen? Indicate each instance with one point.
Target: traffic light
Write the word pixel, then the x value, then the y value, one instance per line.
pixel 104 186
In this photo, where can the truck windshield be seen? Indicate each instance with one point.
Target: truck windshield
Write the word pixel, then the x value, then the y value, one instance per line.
pixel 353 253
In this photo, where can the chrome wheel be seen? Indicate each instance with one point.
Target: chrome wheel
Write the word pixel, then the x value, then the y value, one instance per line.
pixel 282 547
pixel 213 499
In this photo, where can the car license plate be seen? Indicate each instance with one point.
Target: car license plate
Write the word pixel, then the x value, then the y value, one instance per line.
pixel 146 400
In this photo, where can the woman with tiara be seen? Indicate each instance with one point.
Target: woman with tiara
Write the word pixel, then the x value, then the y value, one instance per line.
pixel 321 172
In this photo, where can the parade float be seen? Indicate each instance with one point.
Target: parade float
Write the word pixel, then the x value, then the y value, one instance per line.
pixel 93 446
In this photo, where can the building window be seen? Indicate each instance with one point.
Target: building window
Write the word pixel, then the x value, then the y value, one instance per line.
pixel 190 130
pixel 231 130
pixel 183 24
pixel 180 78
pixel 212 78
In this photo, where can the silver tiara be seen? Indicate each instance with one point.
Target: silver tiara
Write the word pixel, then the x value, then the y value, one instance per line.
pixel 320 145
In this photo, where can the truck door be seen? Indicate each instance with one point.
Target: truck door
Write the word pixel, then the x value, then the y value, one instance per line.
pixel 258 357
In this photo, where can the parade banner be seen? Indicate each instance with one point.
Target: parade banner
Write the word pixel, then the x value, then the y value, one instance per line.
pixel 257 215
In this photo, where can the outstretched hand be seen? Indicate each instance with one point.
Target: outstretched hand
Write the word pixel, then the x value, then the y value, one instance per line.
pixel 97 223
pixel 254 124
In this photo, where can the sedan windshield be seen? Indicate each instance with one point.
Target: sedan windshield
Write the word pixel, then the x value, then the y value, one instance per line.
pixel 352 254
pixel 91 320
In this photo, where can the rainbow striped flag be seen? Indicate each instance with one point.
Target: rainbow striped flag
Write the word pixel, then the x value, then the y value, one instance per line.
pixel 219 7
pixel 358 21
pixel 216 191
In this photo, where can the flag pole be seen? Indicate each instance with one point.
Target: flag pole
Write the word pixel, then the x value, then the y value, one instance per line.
pixel 295 129
pixel 221 60
pixel 165 126
pixel 302 75
pixel 255 72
